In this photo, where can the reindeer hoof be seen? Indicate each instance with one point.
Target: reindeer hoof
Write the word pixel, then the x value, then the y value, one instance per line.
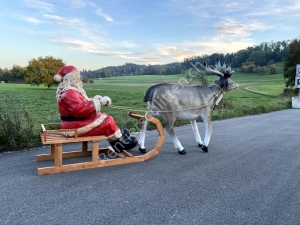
pixel 182 152
pixel 142 150
pixel 204 148
pixel 200 145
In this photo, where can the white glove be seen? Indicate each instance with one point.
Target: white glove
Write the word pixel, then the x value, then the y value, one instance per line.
pixel 97 97
pixel 105 101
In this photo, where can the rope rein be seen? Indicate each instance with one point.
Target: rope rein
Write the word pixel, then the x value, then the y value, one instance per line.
pixel 142 110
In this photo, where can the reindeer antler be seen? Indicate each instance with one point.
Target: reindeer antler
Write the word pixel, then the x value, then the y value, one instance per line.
pixel 219 69
pixel 229 71
pixel 226 71
pixel 210 70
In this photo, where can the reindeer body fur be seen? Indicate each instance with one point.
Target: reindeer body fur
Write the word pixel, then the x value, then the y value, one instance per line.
pixel 185 104
pixel 177 102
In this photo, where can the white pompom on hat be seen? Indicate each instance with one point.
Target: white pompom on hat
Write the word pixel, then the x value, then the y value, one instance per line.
pixel 63 71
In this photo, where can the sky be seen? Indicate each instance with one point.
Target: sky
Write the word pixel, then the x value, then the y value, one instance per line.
pixel 94 34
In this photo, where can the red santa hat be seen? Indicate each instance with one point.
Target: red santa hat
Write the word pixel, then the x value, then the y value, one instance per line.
pixel 64 70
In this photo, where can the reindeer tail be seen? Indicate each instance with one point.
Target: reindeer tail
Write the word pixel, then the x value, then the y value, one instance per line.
pixel 149 94
pixel 150 91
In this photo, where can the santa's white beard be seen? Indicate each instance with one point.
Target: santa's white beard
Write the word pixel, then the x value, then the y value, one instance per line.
pixel 70 82
pixel 79 88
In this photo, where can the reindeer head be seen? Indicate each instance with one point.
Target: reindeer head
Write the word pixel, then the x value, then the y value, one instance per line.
pixel 224 72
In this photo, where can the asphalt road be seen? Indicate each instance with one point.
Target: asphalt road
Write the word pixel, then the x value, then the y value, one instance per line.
pixel 251 175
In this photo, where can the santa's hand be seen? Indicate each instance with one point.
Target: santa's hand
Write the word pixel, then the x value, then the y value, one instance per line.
pixel 105 101
pixel 97 97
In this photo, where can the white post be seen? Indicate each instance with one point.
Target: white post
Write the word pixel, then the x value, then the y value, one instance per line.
pixel 296 100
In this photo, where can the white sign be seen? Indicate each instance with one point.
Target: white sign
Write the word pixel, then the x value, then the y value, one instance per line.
pixel 297 80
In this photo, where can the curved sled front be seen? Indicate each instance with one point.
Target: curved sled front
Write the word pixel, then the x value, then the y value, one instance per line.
pixel 56 140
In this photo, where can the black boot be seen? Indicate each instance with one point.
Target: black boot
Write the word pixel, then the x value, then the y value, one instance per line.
pixel 125 133
pixel 123 143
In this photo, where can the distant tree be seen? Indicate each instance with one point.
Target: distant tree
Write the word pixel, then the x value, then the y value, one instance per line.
pixel 289 70
pixel 102 74
pixel 42 70
pixel 85 80
pixel 91 81
pixel 18 72
pixel 5 76
pixel 258 57
pixel 273 69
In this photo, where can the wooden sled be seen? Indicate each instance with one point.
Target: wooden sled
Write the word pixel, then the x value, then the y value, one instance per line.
pixel 56 139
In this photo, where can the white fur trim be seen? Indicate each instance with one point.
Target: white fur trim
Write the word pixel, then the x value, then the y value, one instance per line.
pixel 57 78
pixel 86 128
pixel 115 136
pixel 97 105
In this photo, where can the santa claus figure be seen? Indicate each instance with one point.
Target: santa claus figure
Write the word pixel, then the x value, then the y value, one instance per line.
pixel 78 111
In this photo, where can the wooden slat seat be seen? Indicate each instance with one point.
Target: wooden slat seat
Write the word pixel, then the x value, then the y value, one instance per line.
pixel 56 139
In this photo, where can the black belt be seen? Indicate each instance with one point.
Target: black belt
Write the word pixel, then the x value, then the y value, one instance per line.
pixel 71 118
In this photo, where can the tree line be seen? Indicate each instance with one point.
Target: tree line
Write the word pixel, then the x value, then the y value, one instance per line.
pixel 249 60
pixel 129 69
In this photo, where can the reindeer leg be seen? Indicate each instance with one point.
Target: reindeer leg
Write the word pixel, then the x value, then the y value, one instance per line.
pixel 142 137
pixel 170 129
pixel 196 133
pixel 208 129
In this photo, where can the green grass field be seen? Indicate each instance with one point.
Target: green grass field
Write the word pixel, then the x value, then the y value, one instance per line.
pixel 127 91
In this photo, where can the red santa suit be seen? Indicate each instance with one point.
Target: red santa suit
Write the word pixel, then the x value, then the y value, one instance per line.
pixel 79 111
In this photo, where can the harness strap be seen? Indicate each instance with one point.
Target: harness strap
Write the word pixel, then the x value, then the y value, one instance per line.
pixel 213 91
pixel 215 95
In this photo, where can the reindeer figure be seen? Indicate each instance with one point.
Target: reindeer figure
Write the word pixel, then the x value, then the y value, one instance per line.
pixel 177 102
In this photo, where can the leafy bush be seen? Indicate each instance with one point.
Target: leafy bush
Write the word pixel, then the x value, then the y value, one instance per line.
pixel 16 128
pixel 273 69
pixel 290 92
pixel 225 104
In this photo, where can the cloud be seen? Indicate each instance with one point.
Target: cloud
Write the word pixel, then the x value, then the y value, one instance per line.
pixel 125 44
pixel 76 3
pixel 176 52
pixel 210 9
pixel 75 44
pixel 78 45
pixel 296 4
pixel 104 15
pixel 230 27
pixel 74 22
pixel 180 51
pixel 39 5
pixel 100 12
pixel 32 20
pixel 90 31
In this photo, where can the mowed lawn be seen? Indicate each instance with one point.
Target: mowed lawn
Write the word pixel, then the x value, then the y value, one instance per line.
pixel 128 91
